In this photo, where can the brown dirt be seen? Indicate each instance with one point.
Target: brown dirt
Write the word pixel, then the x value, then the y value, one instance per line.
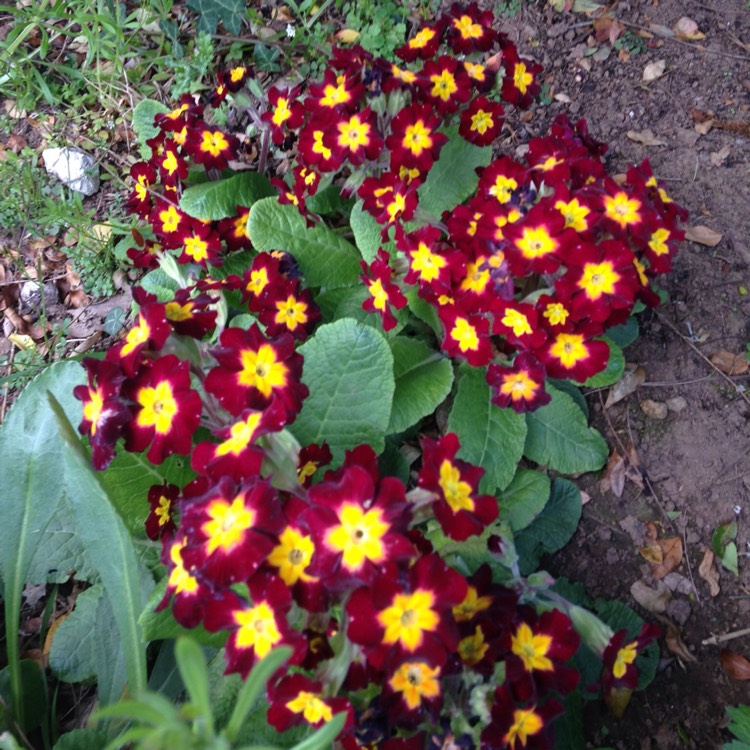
pixel 696 460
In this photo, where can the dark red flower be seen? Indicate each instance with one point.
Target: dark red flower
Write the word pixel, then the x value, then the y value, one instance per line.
pixel 383 293
pixel 161 517
pixel 520 386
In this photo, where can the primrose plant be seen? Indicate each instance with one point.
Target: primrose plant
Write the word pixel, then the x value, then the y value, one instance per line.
pixel 430 364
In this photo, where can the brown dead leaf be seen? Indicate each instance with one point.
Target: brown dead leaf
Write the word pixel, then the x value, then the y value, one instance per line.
pixel 703 235
pixel 646 138
pixel 718 158
pixel 607 29
pixel 687 30
pixel 664 555
pixel 704 127
pixel 614 475
pixel 654 70
pixel 675 644
pixel 634 377
pixel 653 600
pixel 730 364
pixel 737 667
pixel 17 143
pixel 708 572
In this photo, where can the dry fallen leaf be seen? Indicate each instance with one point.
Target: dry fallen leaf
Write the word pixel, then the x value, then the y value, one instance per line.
pixel 704 127
pixel 737 667
pixel 665 555
pixel 634 376
pixel 614 475
pixel 687 30
pixel 653 600
pixel 347 36
pixel 718 158
pixel 646 137
pixel 675 644
pixel 703 236
pixel 654 70
pixel 708 572
pixel 730 364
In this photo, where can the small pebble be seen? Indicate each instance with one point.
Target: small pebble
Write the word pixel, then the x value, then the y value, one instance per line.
pixel 679 610
pixel 676 404
pixel 654 409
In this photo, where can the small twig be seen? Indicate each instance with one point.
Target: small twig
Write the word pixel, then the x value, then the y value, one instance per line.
pixel 687 560
pixel 726 377
pixel 715 640
pixel 6 389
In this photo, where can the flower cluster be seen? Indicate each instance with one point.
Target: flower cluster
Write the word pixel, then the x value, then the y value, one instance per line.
pixel 345 565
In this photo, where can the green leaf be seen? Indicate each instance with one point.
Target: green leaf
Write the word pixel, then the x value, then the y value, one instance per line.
pixel 349 371
pixel 574 391
pixel 72 655
pixel 453 177
pixel 329 201
pixel 553 528
pixel 159 283
pixel 524 498
pixel 729 558
pixel 624 334
pixel 192 666
pixel 34 698
pixel 82 739
pixel 739 725
pixel 367 233
pixel 143 122
pixel 31 462
pixel 266 58
pixel 130 476
pixel 212 12
pixel 324 257
pixel 560 438
pixel 569 727
pixel 108 546
pixel 219 199
pixel 424 311
pixel 423 380
pixel 490 437
pixel 612 372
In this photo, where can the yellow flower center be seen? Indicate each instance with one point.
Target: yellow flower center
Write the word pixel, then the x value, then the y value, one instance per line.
pixel 536 242
pixel 258 629
pixel 358 536
pixel 241 434
pixel 481 121
pixel 417 138
pixel 159 407
pixel 598 279
pixel 179 579
pixel 522 79
pixel 465 334
pixel 311 707
pixel 467 27
pixel 354 133
pixel 214 142
pixel 291 312
pixel 292 556
pixel 570 349
pixel 574 214
pixel 457 492
pixel 519 386
pixel 443 85
pixel 416 680
pixel 281 113
pixel 228 523
pixel 622 209
pixel 408 618
pixel 532 649
pixel 625 656
pixel 262 370
pixel 517 321
pixel 526 722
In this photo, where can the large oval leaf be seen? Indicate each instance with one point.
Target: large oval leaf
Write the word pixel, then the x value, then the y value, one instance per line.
pixel 349 371
pixel 367 233
pixel 325 258
pixel 524 498
pixel 453 178
pixel 423 380
pixel 219 199
pixel 490 437
pixel 560 438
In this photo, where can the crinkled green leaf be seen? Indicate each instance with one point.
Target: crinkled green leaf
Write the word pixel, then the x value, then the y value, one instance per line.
pixel 553 528
pixel 349 371
pixel 739 725
pixel 143 122
pixel 490 437
pixel 453 178
pixel 559 437
pixel 212 12
pixel 524 498
pixel 82 739
pixel 423 380
pixel 624 334
pixel 367 233
pixel 325 258
pixel 33 698
pixel 219 199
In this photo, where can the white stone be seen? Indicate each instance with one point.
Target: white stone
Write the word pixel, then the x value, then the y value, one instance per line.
pixel 73 167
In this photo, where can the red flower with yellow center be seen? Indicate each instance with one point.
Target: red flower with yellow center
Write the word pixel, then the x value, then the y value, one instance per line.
pixel 460 509
pixel 518 322
pixel 445 84
pixel 161 500
pixel 520 386
pixel 297 700
pixel 237 455
pixel 383 293
pixel 252 369
pixel 424 44
pixel 336 92
pixel 262 280
pixel 311 458
pixel 481 121
pixel 170 224
pixel 574 356
pixel 576 212
pixel 190 316
pixel 105 413
pixel 390 199
pixel 200 245
pixel 466 335
pixel 356 134
pixel 473 648
pixel 520 83
pixel 537 241
pixel 256 627
pixel 622 211
pixel 231 529
pixel 355 530
pixel 470 29
pixel 140 201
pixel 167 411
pixel 407 612
pixel 285 112
pixel 412 691
pixel 172 167
pixel 414 140
pixel 211 147
pixel 233 230
pixel 150 331
pixel 187 594
pixel 501 179
pixel 518 727
pixel 288 311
